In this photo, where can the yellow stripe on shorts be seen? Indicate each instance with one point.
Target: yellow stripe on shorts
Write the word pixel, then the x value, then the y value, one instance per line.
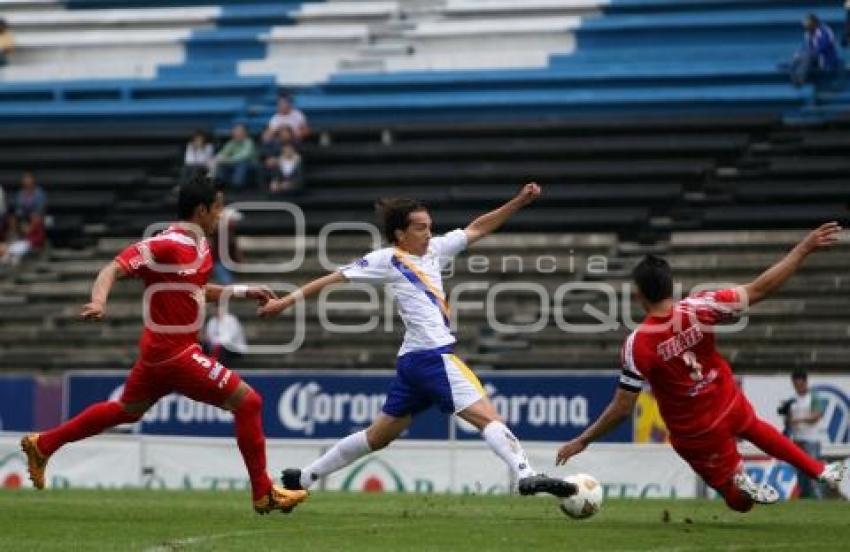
pixel 468 374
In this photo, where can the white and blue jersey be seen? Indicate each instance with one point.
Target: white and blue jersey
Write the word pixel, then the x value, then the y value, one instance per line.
pixel 427 370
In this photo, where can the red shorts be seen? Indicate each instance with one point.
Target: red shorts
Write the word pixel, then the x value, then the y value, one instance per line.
pixel 191 373
pixel 713 454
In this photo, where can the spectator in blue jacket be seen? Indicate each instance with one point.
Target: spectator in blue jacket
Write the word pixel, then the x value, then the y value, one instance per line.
pixel 819 53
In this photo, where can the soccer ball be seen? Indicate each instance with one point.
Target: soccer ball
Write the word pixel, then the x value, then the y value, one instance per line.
pixel 587 501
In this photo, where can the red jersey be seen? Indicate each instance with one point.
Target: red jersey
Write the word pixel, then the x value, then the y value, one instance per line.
pixel 174 266
pixel 676 354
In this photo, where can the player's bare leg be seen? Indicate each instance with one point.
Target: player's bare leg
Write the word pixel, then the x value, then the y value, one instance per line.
pixel 502 441
pixel 383 431
pixel 39 447
pixel 246 405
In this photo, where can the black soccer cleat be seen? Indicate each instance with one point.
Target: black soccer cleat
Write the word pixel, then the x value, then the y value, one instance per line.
pixel 542 483
pixel 291 479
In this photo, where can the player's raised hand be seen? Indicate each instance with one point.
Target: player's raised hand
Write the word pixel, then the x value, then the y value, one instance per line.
pixel 529 193
pixel 273 307
pixel 822 236
pixel 261 294
pixel 93 311
pixel 570 449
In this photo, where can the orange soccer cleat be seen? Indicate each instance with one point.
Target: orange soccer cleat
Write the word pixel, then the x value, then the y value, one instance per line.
pixel 279 499
pixel 36 461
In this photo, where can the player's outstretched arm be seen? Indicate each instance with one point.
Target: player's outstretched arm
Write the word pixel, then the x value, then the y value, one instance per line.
pixel 774 277
pixel 260 294
pixel 277 306
pixel 490 222
pixel 96 308
pixel 620 407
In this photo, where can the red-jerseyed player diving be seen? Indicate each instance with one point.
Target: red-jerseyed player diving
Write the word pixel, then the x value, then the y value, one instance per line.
pixel 705 411
pixel 176 261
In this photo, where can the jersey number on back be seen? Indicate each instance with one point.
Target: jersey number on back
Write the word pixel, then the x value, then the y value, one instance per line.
pixel 690 360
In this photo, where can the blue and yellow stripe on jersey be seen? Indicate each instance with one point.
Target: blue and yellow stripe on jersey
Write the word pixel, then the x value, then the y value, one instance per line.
pixel 421 282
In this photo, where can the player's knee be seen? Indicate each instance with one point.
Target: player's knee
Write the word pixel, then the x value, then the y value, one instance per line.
pixel 251 403
pixel 132 412
pixel 377 440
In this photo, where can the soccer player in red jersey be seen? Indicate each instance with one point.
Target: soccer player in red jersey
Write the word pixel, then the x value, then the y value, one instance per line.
pixel 174 266
pixel 706 413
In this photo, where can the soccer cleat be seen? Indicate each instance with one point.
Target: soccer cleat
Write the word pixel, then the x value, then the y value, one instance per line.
pixel 760 494
pixel 542 483
pixel 291 478
pixel 279 499
pixel 36 461
pixel 833 474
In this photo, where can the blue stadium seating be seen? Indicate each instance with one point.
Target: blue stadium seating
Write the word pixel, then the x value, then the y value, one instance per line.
pixel 642 56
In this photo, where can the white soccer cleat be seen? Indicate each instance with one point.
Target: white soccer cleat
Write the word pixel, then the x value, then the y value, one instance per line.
pixel 833 474
pixel 760 494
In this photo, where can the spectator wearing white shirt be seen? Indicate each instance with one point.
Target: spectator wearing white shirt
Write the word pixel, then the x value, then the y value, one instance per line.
pixel 288 177
pixel 289 116
pixel 225 338
pixel 803 415
pixel 199 156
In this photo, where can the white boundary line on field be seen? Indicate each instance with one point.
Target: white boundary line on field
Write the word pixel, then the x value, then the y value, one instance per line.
pixel 175 544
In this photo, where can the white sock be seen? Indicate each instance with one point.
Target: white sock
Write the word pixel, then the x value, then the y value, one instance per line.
pixel 344 452
pixel 507 447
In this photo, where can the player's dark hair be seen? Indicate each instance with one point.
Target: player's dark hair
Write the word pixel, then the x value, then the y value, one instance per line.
pixel 654 278
pixel 800 374
pixel 394 214
pixel 198 190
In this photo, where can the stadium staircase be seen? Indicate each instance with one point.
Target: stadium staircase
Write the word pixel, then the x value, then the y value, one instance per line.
pixel 469 100
pixel 722 197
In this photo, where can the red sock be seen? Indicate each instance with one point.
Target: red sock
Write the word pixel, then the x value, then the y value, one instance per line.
pixel 734 498
pixel 767 438
pixel 91 421
pixel 248 419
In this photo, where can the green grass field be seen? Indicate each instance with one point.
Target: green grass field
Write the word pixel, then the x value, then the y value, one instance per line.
pixel 163 521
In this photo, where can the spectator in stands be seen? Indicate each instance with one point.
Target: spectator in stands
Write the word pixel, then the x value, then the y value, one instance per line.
pixel 224 337
pixel 288 176
pixel 289 116
pixel 818 55
pixel 272 141
pixel 7 42
pixel 27 223
pixel 283 164
pixel 221 274
pixel 802 413
pixel 236 161
pixel 199 156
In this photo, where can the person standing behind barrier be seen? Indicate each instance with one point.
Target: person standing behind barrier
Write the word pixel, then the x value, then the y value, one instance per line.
pixel 804 412
pixel 7 42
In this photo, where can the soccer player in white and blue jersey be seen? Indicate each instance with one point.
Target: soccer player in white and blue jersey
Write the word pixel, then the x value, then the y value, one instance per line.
pixel 428 371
